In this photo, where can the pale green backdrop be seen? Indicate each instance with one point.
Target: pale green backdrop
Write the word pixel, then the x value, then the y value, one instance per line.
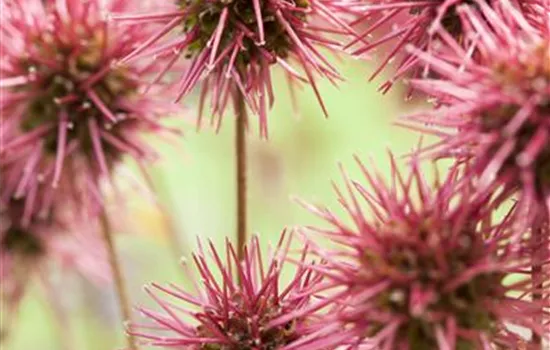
pixel 195 179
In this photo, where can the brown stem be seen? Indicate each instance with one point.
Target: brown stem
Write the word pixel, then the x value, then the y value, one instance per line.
pixel 161 200
pixel 240 155
pixel 539 246
pixel 116 270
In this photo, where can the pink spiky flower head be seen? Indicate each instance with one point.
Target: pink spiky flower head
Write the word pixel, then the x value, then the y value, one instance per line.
pixel 422 269
pixel 231 46
pixel 536 12
pixel 235 305
pixel 67 114
pixel 394 24
pixel 494 104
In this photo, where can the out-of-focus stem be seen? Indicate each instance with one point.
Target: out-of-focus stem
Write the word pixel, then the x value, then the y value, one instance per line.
pixel 6 319
pixel 241 168
pixel 176 244
pixel 59 315
pixel 116 270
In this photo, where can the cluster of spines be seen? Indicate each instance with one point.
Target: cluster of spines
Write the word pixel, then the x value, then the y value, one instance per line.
pixel 472 56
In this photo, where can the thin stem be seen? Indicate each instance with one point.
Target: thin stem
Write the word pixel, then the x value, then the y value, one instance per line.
pixel 240 158
pixel 175 242
pixel 163 201
pixel 116 269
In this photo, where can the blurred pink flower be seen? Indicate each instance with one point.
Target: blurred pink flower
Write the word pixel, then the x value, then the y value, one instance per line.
pixel 536 12
pixel 420 268
pixel 231 46
pixel 493 105
pixel 235 304
pixel 68 116
pixel 393 24
pixel 61 241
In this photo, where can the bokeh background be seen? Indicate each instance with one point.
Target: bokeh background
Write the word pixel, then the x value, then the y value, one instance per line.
pixel 194 180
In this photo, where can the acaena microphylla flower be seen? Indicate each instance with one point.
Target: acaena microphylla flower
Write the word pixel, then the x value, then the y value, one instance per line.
pixel 234 304
pixel 62 240
pixel 420 267
pixel 392 25
pixel 536 12
pixel 493 106
pixel 230 46
pixel 66 112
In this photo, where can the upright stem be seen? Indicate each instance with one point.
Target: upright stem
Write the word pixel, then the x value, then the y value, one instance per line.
pixel 116 270
pixel 539 246
pixel 240 155
pixel 166 211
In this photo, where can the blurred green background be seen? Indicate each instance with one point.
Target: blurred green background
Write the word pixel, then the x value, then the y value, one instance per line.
pixel 195 183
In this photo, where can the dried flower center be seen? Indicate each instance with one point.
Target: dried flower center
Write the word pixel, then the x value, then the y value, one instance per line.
pixel 247 328
pixel 16 239
pixel 528 76
pixel 426 265
pixel 73 81
pixel 450 20
pixel 204 17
